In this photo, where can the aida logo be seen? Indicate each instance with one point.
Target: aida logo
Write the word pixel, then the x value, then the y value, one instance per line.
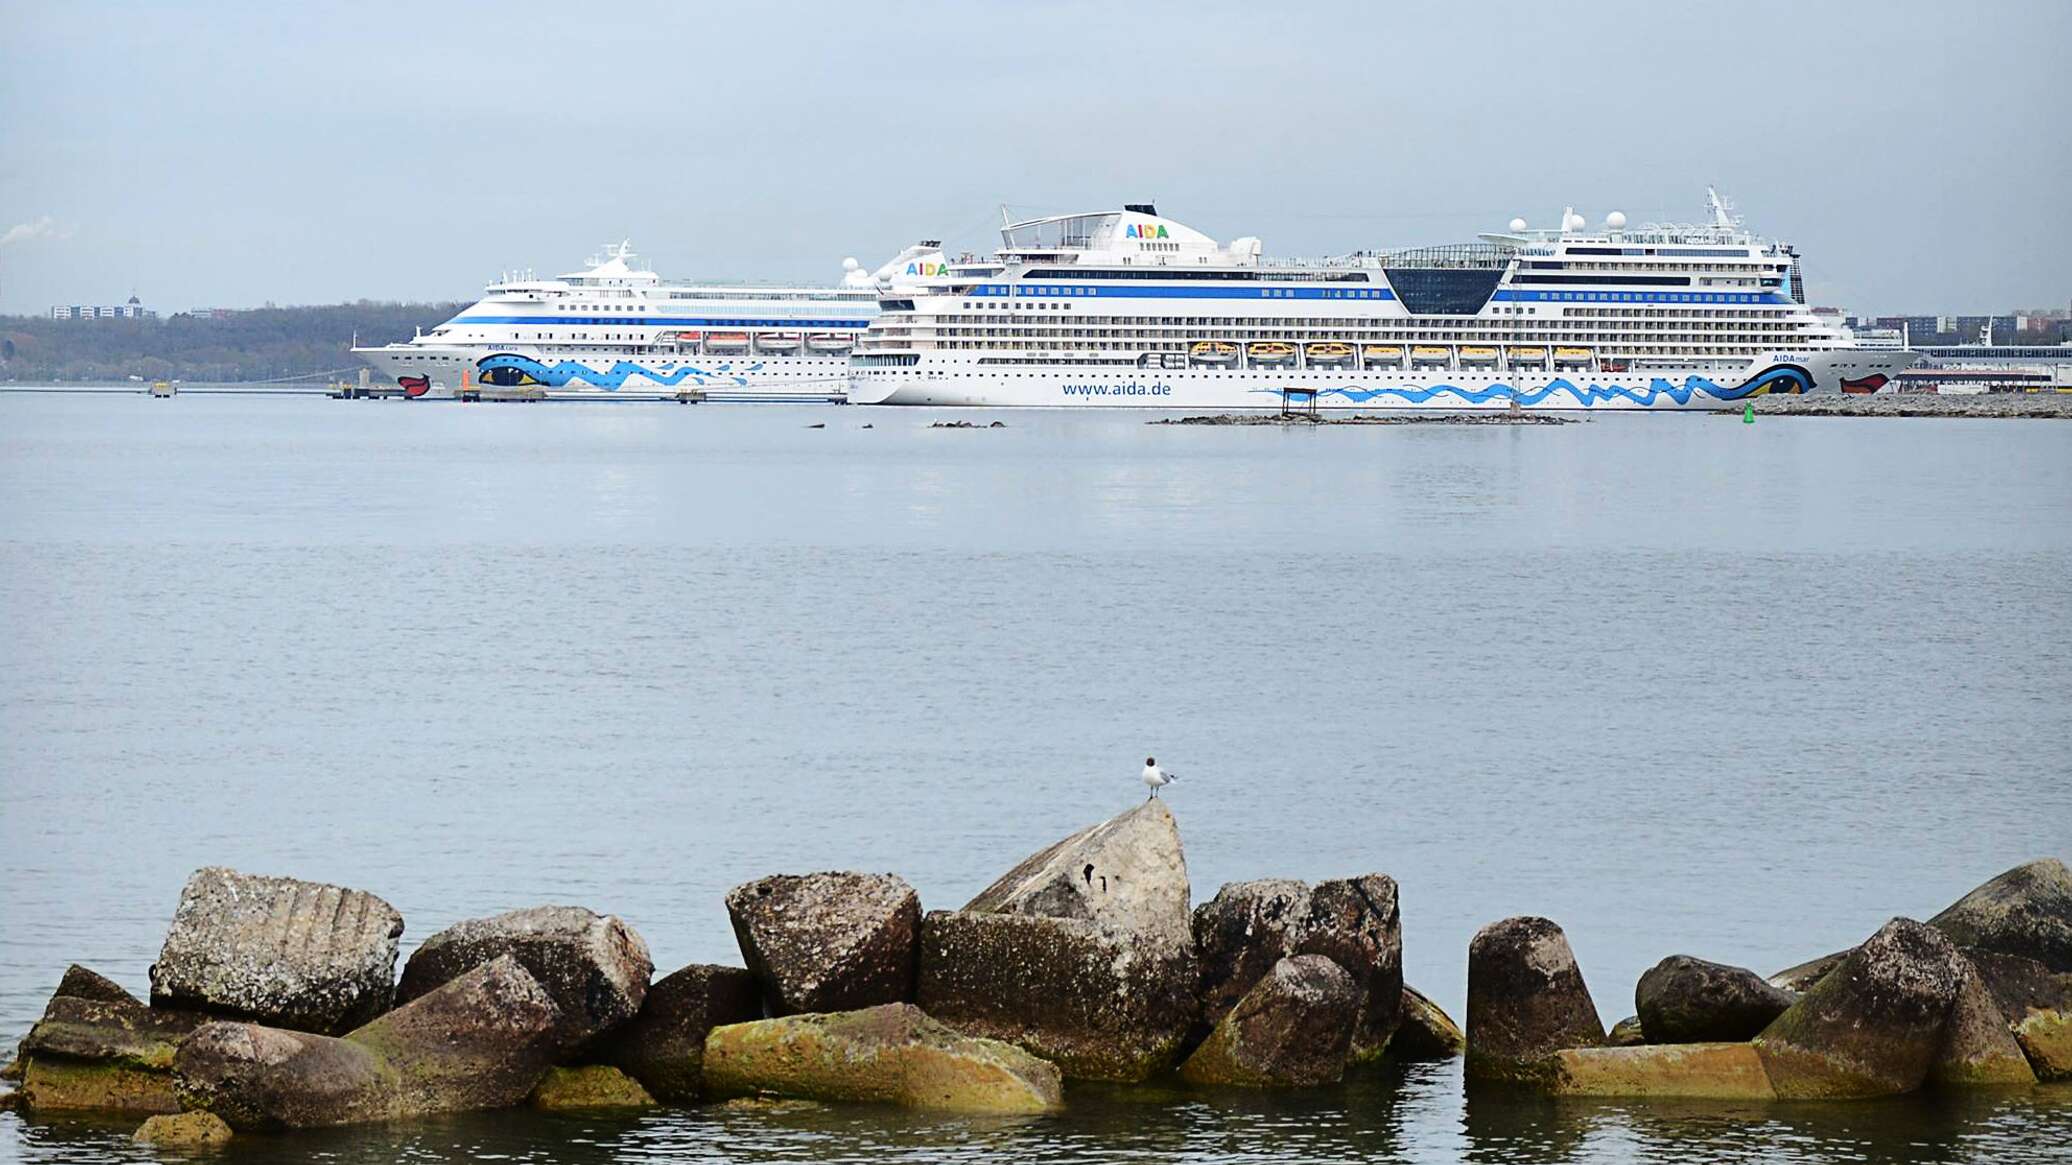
pixel 1144 231
pixel 928 269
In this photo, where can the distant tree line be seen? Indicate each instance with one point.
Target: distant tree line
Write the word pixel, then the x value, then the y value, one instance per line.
pixel 268 343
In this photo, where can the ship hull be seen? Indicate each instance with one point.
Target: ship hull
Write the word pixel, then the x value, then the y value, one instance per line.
pixel 950 380
pixel 445 372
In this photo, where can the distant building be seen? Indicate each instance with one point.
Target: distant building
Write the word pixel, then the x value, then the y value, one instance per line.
pixel 132 310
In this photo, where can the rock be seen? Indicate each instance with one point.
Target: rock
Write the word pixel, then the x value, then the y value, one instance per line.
pixel 1695 1071
pixel 1977 1046
pixel 483 1040
pixel 1426 1031
pixel 1627 1033
pixel 1356 923
pixel 828 942
pixel 187 1130
pixel 10 1100
pixel 280 951
pixel 1101 1007
pixel 2037 1006
pixel 1800 979
pixel 1292 1029
pixel 590 1087
pixel 1682 1000
pixel 772 1105
pixel 99 1048
pixel 1870 1027
pixel 1526 1001
pixel 594 966
pixel 2026 911
pixel 664 1046
pixel 893 1053
pixel 1249 927
pixel 1126 875
pixel 1242 933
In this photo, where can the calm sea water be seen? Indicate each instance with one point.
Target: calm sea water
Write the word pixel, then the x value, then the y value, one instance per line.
pixel 1679 683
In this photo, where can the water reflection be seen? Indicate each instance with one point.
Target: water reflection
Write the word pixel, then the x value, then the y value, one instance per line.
pixel 1413 1114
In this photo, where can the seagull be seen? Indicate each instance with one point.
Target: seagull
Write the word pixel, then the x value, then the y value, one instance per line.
pixel 1156 778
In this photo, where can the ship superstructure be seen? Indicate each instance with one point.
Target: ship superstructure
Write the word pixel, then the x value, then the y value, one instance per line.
pixel 617 329
pixel 1130 308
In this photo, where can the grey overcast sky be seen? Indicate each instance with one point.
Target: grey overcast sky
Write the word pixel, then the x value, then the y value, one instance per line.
pixel 230 154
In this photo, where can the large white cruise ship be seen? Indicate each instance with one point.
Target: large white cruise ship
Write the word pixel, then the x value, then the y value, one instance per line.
pixel 1128 308
pixel 615 329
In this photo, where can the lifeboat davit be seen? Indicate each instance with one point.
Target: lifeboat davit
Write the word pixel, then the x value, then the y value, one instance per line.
pixel 1526 355
pixel 1213 352
pixel 1271 352
pixel 1329 352
pixel 726 341
pixel 777 342
pixel 831 341
pixel 1571 355
pixel 1477 354
pixel 1382 355
pixel 1430 354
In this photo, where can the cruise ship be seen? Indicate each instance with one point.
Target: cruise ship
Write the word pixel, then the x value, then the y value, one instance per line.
pixel 1130 308
pixel 615 329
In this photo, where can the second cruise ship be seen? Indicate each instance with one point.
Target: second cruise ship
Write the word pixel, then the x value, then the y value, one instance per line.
pixel 1130 308
pixel 615 329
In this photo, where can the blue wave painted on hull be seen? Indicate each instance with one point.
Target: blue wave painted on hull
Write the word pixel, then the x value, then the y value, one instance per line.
pixel 1779 378
pixel 568 372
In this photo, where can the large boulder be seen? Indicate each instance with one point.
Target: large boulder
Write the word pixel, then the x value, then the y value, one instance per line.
pixel 1872 1026
pixel 1249 927
pixel 1426 1031
pixel 2036 1004
pixel 1100 1006
pixel 828 942
pixel 1526 1001
pixel 1978 1048
pixel 1292 1029
pixel 2026 911
pixel 1127 875
pixel 280 951
pixel 664 1046
pixel 893 1053
pixel 593 966
pixel 1242 933
pixel 1627 1033
pixel 482 1040
pixel 1691 1071
pixel 99 1048
pixel 1682 1000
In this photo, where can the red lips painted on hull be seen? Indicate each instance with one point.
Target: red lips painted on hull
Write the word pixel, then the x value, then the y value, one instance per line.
pixel 415 386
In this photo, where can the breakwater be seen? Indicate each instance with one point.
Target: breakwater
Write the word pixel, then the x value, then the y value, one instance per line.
pixel 275 1005
pixel 1997 405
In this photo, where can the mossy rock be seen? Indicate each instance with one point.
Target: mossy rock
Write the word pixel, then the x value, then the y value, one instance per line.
pixel 893 1053
pixel 187 1130
pixel 1716 1071
pixel 592 1086
pixel 55 1084
pixel 2046 1038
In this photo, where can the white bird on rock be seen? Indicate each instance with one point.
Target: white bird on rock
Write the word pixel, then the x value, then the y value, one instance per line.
pixel 1156 778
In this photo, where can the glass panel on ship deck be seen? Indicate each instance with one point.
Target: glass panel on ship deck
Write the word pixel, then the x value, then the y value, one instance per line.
pixel 1051 234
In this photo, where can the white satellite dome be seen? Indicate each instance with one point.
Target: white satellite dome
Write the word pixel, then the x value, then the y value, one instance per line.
pixel 1575 222
pixel 1615 220
pixel 850 264
pixel 1517 224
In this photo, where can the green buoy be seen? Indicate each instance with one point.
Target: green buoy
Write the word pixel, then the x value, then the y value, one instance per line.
pixel 1748 413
